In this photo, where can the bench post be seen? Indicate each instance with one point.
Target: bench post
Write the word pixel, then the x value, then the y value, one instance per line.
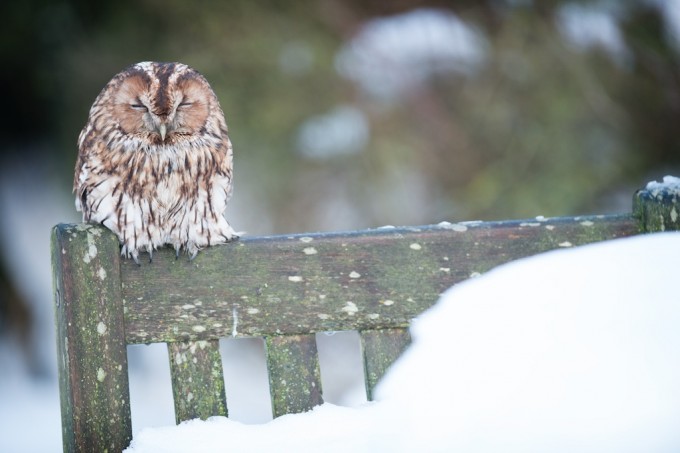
pixel 657 209
pixel 91 348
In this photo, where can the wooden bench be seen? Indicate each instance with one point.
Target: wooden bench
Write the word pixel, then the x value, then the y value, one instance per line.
pixel 282 288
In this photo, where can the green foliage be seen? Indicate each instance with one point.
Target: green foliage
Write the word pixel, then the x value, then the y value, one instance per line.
pixel 541 128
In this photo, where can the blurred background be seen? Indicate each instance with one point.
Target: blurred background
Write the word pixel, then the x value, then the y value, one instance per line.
pixel 344 115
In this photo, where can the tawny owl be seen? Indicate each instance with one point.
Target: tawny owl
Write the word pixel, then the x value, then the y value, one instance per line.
pixel 155 162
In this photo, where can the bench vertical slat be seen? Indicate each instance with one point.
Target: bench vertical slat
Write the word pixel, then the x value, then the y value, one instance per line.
pixel 92 355
pixel 294 375
pixel 197 379
pixel 380 349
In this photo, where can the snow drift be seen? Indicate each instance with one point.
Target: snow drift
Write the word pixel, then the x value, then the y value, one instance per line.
pixel 572 350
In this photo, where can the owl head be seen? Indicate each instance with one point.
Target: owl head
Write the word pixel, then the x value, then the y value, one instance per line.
pixel 160 103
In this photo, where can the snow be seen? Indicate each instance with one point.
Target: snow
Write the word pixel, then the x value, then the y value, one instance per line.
pixel 572 350
pixel 669 183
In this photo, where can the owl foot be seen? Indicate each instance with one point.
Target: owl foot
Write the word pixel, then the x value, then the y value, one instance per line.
pixel 233 237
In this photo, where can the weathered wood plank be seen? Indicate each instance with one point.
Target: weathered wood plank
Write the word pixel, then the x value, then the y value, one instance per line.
pixel 380 349
pixel 657 209
pixel 294 375
pixel 92 356
pixel 197 379
pixel 363 280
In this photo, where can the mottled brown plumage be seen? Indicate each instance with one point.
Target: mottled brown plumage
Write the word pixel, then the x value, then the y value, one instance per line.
pixel 155 161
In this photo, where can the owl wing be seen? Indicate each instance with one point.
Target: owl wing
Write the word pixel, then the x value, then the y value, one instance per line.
pixel 226 165
pixel 88 173
pixel 81 170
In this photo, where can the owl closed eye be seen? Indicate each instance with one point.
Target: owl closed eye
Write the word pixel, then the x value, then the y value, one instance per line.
pixel 155 161
pixel 181 111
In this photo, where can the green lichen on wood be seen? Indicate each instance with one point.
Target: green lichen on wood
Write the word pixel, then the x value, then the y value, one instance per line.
pixel 197 380
pixel 365 280
pixel 294 375
pixel 657 210
pixel 284 288
pixel 381 348
pixel 92 358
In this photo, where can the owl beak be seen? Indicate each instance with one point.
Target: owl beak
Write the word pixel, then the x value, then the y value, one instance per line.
pixel 163 130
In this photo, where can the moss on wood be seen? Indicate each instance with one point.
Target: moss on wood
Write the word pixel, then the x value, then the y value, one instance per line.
pixel 294 376
pixel 657 210
pixel 92 357
pixel 197 379
pixel 380 349
pixel 365 280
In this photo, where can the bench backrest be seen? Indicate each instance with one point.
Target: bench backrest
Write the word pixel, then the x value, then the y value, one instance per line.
pixel 282 288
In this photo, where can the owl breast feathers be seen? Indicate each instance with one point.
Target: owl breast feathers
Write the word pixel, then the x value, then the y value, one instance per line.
pixel 155 162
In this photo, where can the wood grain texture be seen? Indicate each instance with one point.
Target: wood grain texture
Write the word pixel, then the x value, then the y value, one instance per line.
pixel 657 210
pixel 197 380
pixel 381 348
pixel 364 280
pixel 92 356
pixel 294 374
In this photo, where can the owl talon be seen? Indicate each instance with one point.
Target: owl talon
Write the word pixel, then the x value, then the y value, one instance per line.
pixel 176 254
pixel 136 260
pixel 232 238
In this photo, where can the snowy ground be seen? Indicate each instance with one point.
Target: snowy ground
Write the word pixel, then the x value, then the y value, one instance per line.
pixel 573 350
pixel 571 347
